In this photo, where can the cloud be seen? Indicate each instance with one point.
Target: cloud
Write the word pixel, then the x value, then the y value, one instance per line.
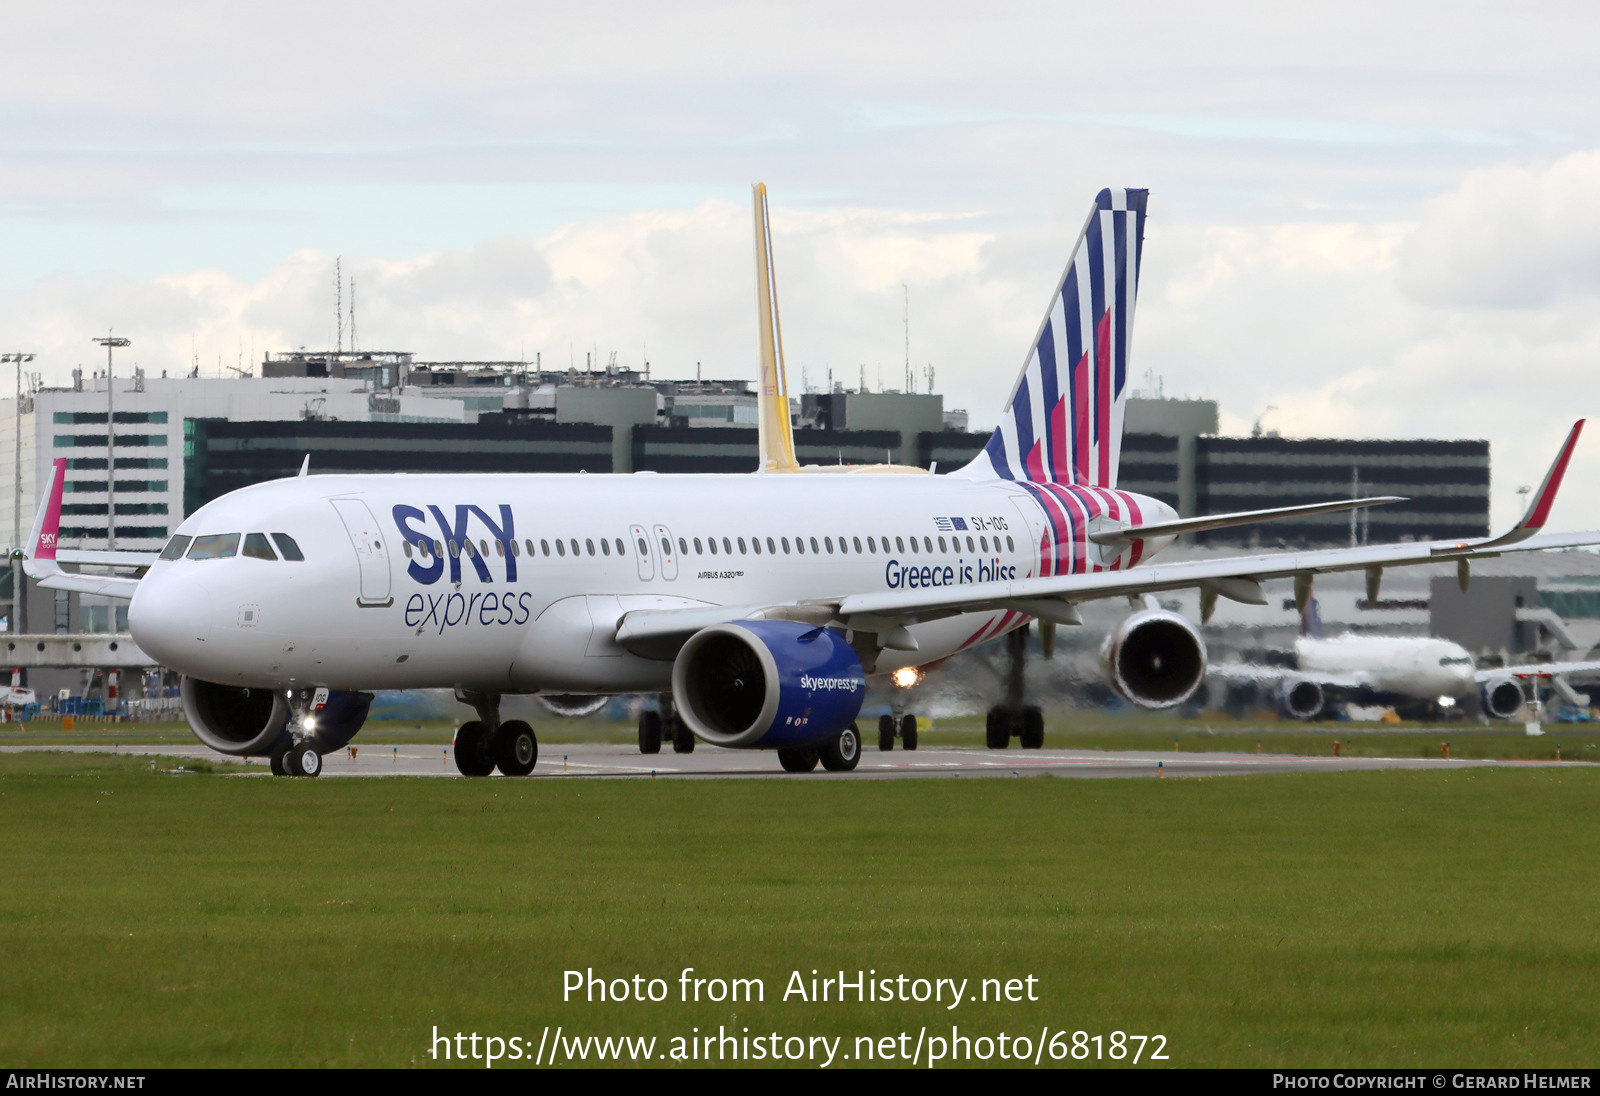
pixel 1509 237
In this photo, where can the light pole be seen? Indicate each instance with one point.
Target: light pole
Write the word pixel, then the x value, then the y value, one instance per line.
pixel 110 342
pixel 19 609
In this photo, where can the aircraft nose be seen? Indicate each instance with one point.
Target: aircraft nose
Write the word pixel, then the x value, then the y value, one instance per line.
pixel 170 618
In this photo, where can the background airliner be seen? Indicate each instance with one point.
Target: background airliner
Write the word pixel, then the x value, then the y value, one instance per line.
pixel 760 602
pixel 1423 674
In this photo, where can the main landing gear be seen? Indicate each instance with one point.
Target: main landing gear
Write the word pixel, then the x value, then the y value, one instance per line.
pixel 838 755
pixel 664 725
pixel 1012 718
pixel 485 744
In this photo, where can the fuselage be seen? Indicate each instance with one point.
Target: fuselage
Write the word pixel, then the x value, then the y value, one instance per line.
pixel 516 583
pixel 1422 668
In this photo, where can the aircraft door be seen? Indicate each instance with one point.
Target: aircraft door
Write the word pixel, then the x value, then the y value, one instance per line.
pixel 669 555
pixel 367 539
pixel 642 552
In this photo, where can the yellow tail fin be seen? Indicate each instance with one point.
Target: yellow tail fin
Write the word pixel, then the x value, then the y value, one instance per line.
pixel 775 432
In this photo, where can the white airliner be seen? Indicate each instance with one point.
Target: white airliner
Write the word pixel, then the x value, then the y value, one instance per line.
pixel 759 602
pixel 1419 674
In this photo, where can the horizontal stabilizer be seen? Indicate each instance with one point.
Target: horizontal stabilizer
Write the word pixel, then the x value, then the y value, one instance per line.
pixel 1224 521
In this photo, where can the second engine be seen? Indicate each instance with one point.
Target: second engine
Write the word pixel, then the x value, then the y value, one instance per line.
pixel 1501 698
pixel 1301 699
pixel 251 722
pixel 767 684
pixel 234 720
pixel 1155 659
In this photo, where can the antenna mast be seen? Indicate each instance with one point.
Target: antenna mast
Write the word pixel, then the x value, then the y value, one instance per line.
pixel 338 304
pixel 911 381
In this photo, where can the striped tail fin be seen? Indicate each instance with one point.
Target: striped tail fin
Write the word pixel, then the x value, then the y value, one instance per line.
pixel 1063 422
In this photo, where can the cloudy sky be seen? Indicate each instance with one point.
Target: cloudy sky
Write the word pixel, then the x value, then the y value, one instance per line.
pixel 1374 219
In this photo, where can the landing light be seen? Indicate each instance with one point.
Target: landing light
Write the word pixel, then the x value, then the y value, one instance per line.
pixel 1447 702
pixel 309 723
pixel 907 676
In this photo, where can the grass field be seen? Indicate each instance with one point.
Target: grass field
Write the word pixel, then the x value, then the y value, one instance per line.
pixel 1384 919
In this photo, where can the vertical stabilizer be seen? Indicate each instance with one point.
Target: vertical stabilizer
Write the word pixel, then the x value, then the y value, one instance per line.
pixel 1063 422
pixel 775 433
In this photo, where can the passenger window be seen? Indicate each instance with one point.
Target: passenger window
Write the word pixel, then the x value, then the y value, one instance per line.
pixel 455 549
pixel 288 548
pixel 942 548
pixel 785 545
pixel 574 543
pixel 814 549
pixel 913 544
pixel 871 547
pixel 561 548
pixel 422 548
pixel 515 551
pixel 666 548
pixel 545 545
pixel 772 549
pixel 605 546
pixel 755 542
pixel 800 546
pixel 528 544
pixel 711 542
pixel 899 545
pixel 970 546
pixel 741 546
pixel 215 546
pixel 644 549
pixel 438 547
pixel 698 550
pixel 683 547
pixel 1010 547
pixel 928 544
pixel 483 548
pixel 829 542
pixel 857 541
pixel 621 551
pixel 983 542
pixel 499 547
pixel 727 546
pixel 175 548
pixel 590 544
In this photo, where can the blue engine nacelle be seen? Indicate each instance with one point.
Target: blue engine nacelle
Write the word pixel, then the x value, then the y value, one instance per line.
pixel 766 684
pixel 340 717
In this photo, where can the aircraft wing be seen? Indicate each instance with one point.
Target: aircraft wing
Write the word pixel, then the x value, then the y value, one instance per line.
pixel 1539 669
pixel 1273 675
pixel 42 560
pixel 886 613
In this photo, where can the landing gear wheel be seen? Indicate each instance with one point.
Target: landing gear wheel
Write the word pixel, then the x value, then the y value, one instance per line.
pixel 1032 728
pixel 682 737
pixel 649 732
pixel 474 756
pixel 886 733
pixel 908 732
pixel 799 759
pixel 841 754
pixel 277 760
pixel 516 749
pixel 303 760
pixel 997 729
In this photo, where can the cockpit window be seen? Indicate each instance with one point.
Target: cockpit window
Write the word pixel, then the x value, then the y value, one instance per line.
pixel 286 545
pixel 1455 662
pixel 256 547
pixel 175 548
pixel 215 546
